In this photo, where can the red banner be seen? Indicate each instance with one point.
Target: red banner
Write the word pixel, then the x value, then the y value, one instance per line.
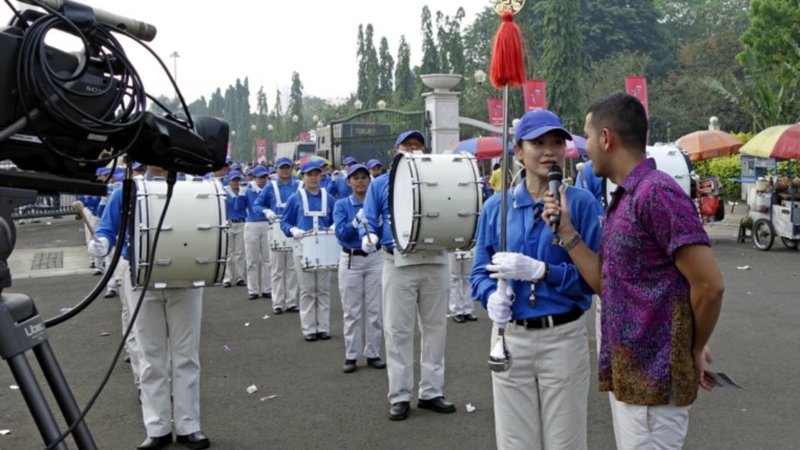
pixel 261 149
pixel 535 95
pixel 495 112
pixel 304 136
pixel 636 86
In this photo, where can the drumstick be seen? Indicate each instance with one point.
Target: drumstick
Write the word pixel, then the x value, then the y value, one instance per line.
pixel 366 231
pixel 77 205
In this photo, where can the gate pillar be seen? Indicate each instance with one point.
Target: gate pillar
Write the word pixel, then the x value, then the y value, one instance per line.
pixel 441 108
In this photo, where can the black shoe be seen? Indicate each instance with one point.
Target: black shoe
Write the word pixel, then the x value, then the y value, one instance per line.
pixel 110 293
pixel 153 443
pixel 226 284
pixel 277 310
pixel 252 296
pixel 438 404
pixel 292 309
pixel 376 362
pixel 266 294
pixel 470 317
pixel 241 283
pixel 349 366
pixel 459 318
pixel 127 359
pixel 399 411
pixel 311 337
pixel 324 335
pixel 194 440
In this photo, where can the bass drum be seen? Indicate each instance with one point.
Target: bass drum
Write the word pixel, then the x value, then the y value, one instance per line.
pixel 434 202
pixel 669 159
pixel 192 246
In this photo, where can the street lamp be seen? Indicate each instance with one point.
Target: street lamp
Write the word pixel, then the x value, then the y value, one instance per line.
pixel 479 76
pixel 315 118
pixel 270 127
pixel 358 104
pixel 381 104
pixel 320 124
pixel 295 119
pixel 174 55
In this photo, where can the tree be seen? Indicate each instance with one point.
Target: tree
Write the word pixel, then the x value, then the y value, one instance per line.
pixel 561 43
pixel 442 43
pixel 276 117
pixel 404 78
pixel 372 67
pixel 295 107
pixel 687 21
pixel 773 35
pixel 430 58
pixel 363 83
pixel 199 107
pixel 216 106
pixel 455 44
pixel 385 73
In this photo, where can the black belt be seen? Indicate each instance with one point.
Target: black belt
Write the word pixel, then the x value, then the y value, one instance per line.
pixel 537 323
pixel 237 220
pixel 357 251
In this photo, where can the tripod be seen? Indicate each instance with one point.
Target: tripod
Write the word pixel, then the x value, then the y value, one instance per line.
pixel 22 329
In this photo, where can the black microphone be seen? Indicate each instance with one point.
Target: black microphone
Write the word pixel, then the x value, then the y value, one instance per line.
pixel 554 178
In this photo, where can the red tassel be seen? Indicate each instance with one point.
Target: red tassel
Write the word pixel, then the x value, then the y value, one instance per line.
pixel 508 66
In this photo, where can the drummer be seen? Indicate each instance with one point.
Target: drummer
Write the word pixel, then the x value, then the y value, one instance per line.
pixel 359 276
pixel 375 168
pixel 340 186
pixel 273 200
pixel 310 210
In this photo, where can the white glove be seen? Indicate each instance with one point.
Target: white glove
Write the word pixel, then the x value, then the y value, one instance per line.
pixel 516 266
pixel 270 215
pixel 499 304
pixel 355 223
pixel 360 215
pixel 98 247
pixel 296 232
pixel 332 227
pixel 369 243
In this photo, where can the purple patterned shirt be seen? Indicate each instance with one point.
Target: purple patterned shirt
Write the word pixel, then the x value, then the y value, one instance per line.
pixel 646 319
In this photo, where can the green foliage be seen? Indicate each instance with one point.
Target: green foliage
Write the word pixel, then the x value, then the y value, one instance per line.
pixel 404 77
pixel 430 57
pixel 774 26
pixel 385 72
pixel 725 168
pixel 562 42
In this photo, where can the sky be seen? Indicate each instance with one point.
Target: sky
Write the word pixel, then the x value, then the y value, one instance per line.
pixel 266 41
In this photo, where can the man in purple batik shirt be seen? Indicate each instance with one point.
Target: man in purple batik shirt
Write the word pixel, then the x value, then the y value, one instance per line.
pixel 660 284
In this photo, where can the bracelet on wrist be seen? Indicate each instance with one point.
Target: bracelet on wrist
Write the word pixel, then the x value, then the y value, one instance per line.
pixel 570 243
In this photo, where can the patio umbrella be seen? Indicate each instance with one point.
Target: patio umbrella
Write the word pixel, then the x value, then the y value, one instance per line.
pixel 482 147
pixel 576 148
pixel 706 144
pixel 781 142
pixel 308 158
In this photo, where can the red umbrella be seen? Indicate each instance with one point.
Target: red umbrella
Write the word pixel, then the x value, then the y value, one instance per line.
pixel 482 147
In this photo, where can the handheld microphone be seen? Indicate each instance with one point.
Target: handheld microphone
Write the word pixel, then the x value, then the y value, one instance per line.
pixel 554 178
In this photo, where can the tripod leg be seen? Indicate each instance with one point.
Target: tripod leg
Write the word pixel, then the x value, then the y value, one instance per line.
pixel 66 401
pixel 37 404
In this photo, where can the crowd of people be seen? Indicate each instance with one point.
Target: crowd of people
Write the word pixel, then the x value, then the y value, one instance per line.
pixel 645 254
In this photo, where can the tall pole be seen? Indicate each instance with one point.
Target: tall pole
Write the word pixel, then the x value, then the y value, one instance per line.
pixel 174 55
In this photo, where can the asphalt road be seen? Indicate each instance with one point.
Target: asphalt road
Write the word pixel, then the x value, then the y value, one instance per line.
pixel 318 406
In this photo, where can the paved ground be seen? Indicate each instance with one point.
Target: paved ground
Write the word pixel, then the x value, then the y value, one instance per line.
pixel 318 406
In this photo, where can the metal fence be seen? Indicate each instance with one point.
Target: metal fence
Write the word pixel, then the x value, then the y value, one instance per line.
pixel 46 206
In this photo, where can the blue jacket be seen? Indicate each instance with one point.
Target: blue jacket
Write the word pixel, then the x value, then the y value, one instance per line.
pixel 293 215
pixel 90 202
pixel 109 222
pixel 236 204
pixel 339 188
pixel 267 200
pixel 376 211
pixel 344 212
pixel 255 213
pixel 586 179
pixel 527 233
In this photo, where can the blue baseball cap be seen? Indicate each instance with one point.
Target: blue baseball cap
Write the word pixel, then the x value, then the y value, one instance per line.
pixel 235 174
pixel 270 170
pixel 260 171
pixel 236 166
pixel 136 165
pixel 372 163
pixel 407 134
pixel 283 161
pixel 312 165
pixel 534 124
pixel 349 160
pixel 102 171
pixel 355 168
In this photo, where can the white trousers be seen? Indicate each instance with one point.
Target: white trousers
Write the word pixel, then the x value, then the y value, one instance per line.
pixel 128 306
pixel 460 290
pixel 638 427
pixel 284 279
pixel 315 299
pixel 235 269
pixel 360 292
pixel 168 332
pixel 411 294
pixel 541 401
pixel 256 248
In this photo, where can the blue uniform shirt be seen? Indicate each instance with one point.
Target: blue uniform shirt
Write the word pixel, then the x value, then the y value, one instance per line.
pixel 90 202
pixel 376 211
pixel 267 200
pixel 527 233
pixel 343 214
pixel 339 188
pixel 255 213
pixel 293 215
pixel 236 204
pixel 586 179
pixel 109 222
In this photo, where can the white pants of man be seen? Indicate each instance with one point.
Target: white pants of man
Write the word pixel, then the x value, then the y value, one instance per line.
pixel 360 292
pixel 315 299
pixel 460 290
pixel 411 294
pixel 92 219
pixel 256 247
pixel 235 269
pixel 128 306
pixel 541 401
pixel 638 427
pixel 168 332
pixel 284 280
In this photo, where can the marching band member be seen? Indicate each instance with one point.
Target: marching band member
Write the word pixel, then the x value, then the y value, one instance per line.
pixel 461 306
pixel 414 289
pixel 535 292
pixel 167 330
pixel 256 243
pixel 273 201
pixel 236 208
pixel 375 168
pixel 340 186
pixel 359 277
pixel 308 210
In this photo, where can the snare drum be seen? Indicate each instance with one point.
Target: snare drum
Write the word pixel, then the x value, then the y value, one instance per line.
pixel 434 202
pixel 318 251
pixel 278 242
pixel 669 159
pixel 192 246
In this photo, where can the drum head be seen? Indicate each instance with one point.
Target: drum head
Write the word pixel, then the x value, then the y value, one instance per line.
pixel 404 202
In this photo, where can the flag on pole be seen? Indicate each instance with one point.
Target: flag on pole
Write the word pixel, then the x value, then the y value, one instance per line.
pixel 636 85
pixel 535 95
